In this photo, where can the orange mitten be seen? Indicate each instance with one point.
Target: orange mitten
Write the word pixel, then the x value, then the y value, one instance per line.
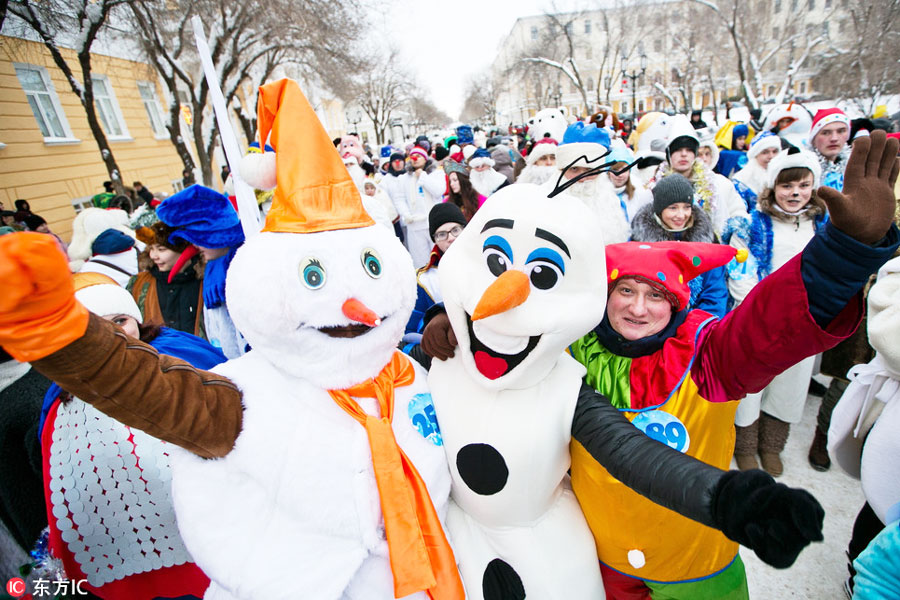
pixel 38 311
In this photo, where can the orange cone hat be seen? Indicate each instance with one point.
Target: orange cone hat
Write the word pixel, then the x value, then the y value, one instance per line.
pixel 314 192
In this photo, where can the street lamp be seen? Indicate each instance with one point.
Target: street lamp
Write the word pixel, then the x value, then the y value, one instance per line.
pixel 353 117
pixel 558 95
pixel 634 76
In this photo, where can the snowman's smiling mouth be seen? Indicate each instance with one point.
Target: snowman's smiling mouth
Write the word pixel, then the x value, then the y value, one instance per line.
pixel 493 364
pixel 347 331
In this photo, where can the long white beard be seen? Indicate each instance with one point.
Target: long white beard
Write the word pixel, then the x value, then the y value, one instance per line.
pixel 485 182
pixel 599 195
pixel 537 174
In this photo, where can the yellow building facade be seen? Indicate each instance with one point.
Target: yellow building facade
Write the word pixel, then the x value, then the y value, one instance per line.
pixel 48 155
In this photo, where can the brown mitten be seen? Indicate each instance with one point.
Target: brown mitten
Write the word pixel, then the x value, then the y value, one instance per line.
pixel 865 209
pixel 438 339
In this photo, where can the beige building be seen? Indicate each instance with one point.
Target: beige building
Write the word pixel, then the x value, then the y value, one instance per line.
pixel 47 153
pixel 684 47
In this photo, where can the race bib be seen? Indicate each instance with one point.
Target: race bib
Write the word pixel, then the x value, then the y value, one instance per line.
pixel 664 427
pixel 423 417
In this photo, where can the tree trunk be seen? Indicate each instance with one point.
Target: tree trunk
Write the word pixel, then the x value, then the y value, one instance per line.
pixel 203 156
pixel 90 109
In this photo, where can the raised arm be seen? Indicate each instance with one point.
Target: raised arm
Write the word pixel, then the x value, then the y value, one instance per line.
pixel 42 323
pixel 814 301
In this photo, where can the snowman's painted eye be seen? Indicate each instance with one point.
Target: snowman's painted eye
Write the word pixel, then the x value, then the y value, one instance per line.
pixel 371 263
pixel 312 274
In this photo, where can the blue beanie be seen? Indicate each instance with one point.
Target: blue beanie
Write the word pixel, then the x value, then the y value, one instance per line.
pixel 203 217
pixel 112 241
pixel 740 130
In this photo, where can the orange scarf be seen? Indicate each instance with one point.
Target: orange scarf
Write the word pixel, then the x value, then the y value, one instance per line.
pixel 421 558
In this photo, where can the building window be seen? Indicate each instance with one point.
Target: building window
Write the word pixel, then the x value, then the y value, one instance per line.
pixel 825 28
pixel 590 83
pixel 154 111
pixel 657 45
pixel 827 3
pixel 107 108
pixel 569 28
pixel 534 33
pixel 777 6
pixel 44 103
pixel 624 106
pixel 776 32
pixel 811 4
pixel 588 53
pixel 640 105
pixel 795 4
pixel 587 25
pixel 771 90
pixel 802 87
pixel 79 204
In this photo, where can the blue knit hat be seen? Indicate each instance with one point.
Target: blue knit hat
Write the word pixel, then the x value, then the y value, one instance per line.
pixel 112 241
pixel 203 217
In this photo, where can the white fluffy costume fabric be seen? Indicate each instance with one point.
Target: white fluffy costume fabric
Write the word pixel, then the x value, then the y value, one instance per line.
pixel 293 510
pixel 506 400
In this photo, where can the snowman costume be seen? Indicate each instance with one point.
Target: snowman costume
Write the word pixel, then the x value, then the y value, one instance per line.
pixel 307 467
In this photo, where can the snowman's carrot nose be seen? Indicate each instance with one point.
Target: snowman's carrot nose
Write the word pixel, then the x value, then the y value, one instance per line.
pixel 508 291
pixel 357 311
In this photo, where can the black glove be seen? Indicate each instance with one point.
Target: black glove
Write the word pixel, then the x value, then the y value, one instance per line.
pixel 770 518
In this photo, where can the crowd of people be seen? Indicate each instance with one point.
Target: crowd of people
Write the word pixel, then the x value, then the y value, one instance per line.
pixel 736 257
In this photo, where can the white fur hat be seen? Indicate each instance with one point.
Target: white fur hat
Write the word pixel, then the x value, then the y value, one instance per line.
pixel 107 299
pixel 789 159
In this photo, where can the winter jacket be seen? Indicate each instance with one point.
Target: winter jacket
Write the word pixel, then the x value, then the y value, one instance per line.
pixel 21 491
pixel 771 242
pixel 428 292
pixel 178 305
pixel 680 385
pixel 717 196
pixel 708 291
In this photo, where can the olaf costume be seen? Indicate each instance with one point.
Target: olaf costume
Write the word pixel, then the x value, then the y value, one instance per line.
pixel 519 286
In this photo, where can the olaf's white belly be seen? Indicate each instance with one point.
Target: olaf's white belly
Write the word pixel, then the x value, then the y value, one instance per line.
pixel 513 514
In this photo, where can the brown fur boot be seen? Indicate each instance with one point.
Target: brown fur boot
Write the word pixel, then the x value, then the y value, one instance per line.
pixel 773 435
pixel 745 443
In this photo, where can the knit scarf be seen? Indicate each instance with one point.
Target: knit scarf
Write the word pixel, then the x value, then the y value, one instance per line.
pixel 420 555
pixel 214 280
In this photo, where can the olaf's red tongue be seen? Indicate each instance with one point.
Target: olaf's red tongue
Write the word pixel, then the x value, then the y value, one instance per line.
pixel 491 367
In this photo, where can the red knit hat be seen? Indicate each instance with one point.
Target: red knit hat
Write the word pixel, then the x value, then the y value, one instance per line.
pixel 827 116
pixel 667 265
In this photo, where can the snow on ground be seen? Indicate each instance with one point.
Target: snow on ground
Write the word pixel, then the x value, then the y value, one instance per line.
pixel 821 569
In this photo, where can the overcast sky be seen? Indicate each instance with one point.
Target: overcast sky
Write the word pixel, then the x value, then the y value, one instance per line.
pixel 444 43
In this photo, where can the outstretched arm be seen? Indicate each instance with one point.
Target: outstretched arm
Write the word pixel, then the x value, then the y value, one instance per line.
pixel 775 521
pixel 814 301
pixel 42 323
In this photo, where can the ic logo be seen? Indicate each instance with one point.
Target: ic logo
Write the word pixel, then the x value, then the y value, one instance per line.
pixel 15 587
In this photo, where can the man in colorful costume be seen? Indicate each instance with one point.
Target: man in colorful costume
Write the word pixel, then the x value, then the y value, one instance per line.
pixel 680 383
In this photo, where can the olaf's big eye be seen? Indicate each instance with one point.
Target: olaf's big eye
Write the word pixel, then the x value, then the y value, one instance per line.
pixel 371 263
pixel 312 274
